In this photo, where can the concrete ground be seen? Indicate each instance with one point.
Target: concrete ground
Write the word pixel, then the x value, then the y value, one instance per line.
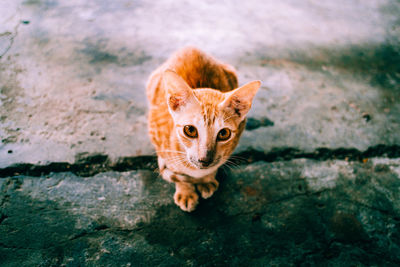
pixel 316 179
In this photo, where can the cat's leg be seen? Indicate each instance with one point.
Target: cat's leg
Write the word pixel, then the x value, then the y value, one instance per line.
pixel 209 186
pixel 166 174
pixel 185 196
pixel 185 193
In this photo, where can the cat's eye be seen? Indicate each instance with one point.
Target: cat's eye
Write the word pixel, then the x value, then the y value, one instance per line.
pixel 224 134
pixel 190 131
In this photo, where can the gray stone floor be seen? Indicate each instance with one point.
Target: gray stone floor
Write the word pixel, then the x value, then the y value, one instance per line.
pixel 316 180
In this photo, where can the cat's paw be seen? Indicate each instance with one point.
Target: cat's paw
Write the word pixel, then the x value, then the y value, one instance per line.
pixel 186 200
pixel 208 189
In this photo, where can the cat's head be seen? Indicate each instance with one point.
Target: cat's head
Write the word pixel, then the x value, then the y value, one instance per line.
pixel 208 122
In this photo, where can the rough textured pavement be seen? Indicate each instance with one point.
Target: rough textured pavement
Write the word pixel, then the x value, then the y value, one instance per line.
pixel 316 176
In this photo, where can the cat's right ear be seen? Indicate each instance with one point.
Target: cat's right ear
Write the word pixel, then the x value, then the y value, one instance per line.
pixel 179 93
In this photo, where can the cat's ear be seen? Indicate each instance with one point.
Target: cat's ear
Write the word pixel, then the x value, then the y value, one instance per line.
pixel 239 100
pixel 179 93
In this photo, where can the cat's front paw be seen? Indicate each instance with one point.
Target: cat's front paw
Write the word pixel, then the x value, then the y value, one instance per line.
pixel 207 190
pixel 187 200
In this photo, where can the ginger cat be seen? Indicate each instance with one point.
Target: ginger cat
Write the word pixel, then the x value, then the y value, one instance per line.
pixel 196 118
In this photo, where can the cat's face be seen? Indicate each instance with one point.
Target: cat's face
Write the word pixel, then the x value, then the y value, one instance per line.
pixel 208 122
pixel 207 131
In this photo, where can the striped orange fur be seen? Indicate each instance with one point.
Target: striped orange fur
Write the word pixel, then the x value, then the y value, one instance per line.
pixel 196 117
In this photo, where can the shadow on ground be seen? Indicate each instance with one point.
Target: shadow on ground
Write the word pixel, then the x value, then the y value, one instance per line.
pixel 263 214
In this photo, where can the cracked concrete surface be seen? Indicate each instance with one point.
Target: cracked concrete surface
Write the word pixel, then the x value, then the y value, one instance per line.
pixel 292 213
pixel 316 179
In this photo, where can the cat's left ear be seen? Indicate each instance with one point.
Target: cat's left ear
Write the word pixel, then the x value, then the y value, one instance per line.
pixel 179 93
pixel 239 100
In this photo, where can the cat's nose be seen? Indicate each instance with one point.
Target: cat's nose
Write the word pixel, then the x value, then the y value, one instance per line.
pixel 206 158
pixel 205 161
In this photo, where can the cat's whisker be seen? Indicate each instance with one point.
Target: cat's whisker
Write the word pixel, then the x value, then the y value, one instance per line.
pixel 238 159
pixel 175 159
pixel 226 167
pixel 178 160
pixel 231 164
pixel 182 160
pixel 171 151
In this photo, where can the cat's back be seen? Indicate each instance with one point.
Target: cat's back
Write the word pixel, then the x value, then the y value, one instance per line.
pixel 200 70
pixel 197 68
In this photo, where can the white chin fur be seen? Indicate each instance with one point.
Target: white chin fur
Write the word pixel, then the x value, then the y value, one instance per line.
pixel 200 173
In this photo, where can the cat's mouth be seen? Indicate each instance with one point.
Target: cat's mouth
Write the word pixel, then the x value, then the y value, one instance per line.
pixel 204 165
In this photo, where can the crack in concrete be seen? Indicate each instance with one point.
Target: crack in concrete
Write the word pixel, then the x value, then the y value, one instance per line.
pixel 85 233
pixel 12 37
pixel 100 229
pixel 84 167
pixel 320 154
pixel 98 163
pixel 382 211
pixel 96 231
pixel 2 245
